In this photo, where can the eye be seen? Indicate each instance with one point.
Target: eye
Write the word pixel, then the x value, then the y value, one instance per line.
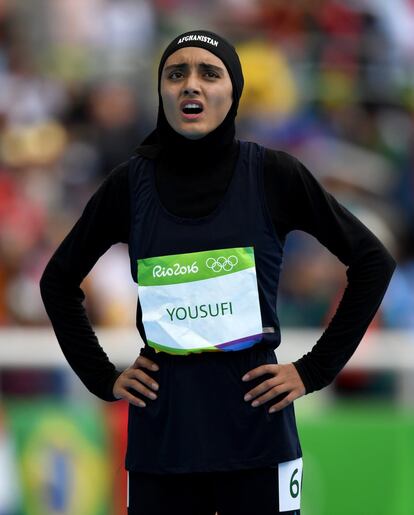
pixel 175 75
pixel 211 75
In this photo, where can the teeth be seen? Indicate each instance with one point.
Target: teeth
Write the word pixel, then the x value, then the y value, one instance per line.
pixel 192 108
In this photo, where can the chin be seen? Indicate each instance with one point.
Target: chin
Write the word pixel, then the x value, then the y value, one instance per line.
pixel 191 132
pixel 194 136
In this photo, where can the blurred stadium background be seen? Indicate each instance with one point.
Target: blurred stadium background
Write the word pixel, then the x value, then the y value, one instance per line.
pixel 330 81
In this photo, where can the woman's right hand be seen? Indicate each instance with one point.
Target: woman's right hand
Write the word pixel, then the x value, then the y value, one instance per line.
pixel 135 378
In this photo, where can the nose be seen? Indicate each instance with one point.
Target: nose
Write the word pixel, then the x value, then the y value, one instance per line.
pixel 191 86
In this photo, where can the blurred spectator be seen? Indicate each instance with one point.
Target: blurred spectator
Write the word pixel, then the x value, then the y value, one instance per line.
pixel 117 125
pixel 270 94
pixel 21 225
pixel 307 264
pixel 117 35
pixel 113 294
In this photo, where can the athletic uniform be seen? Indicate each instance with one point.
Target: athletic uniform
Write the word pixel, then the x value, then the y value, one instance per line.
pixel 166 201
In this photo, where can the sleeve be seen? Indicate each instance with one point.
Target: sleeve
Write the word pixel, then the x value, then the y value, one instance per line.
pixel 104 222
pixel 303 204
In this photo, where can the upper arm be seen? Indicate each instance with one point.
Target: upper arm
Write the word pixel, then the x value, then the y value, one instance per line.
pixel 103 223
pixel 305 205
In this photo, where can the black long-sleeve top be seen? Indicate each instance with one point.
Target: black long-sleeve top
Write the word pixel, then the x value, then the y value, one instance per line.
pixel 295 200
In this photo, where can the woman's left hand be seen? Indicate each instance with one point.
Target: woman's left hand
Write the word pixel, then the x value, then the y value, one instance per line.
pixel 286 380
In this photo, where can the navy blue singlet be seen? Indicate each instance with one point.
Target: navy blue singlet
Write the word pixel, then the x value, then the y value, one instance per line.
pixel 200 421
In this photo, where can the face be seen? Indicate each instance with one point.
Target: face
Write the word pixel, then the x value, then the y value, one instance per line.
pixel 196 91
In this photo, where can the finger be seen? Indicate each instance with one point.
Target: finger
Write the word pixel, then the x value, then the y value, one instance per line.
pixel 283 403
pixel 139 387
pixel 271 394
pixel 141 376
pixel 269 368
pixel 142 361
pixel 132 399
pixel 261 388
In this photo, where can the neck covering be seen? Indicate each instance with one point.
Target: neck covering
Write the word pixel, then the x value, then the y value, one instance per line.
pixel 173 143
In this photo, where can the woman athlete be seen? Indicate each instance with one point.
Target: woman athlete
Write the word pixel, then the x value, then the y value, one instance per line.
pixel 205 216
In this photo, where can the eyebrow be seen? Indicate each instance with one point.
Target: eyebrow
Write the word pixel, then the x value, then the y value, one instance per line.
pixel 184 66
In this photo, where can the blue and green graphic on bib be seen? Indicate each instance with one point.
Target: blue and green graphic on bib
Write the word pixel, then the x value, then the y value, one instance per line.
pixel 200 301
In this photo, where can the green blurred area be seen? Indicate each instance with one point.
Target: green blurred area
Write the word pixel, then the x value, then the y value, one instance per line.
pixel 358 459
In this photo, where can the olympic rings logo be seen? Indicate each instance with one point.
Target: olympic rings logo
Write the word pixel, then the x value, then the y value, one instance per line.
pixel 222 263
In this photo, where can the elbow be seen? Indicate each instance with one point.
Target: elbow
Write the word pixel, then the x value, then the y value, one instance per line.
pixel 374 262
pixel 44 284
pixel 392 265
pixel 50 281
pixel 388 263
pixel 380 257
pixel 57 285
pixel 44 280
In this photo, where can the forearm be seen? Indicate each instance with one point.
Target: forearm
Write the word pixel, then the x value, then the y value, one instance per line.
pixel 368 280
pixel 79 344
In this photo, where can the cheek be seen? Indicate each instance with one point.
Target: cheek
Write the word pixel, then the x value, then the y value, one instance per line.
pixel 223 104
pixel 166 102
pixel 167 96
pixel 169 109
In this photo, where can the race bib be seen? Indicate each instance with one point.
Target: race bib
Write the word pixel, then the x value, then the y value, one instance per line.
pixel 290 484
pixel 200 301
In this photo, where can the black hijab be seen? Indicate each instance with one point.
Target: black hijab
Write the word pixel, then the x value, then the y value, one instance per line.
pixel 176 146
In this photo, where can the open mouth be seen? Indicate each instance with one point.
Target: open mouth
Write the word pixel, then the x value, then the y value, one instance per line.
pixel 191 108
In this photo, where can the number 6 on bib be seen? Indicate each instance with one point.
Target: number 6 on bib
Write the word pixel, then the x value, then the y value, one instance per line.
pixel 290 484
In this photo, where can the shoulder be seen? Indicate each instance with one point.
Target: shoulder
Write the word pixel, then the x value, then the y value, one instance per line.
pixel 275 161
pixel 118 174
pixel 280 160
pixel 280 169
pixel 151 151
pixel 119 177
pixel 272 155
pixel 280 166
pixel 115 186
